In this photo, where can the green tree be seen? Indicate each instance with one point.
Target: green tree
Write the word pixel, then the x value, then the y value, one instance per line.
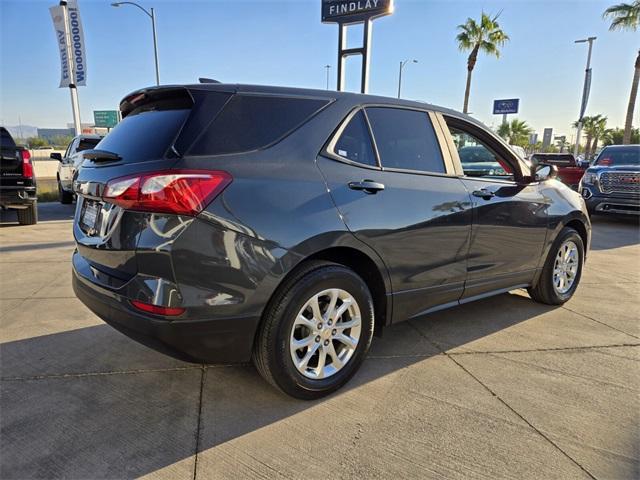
pixel 35 142
pixel 599 131
pixel 616 135
pixel 516 132
pixel 61 141
pixel 626 16
pixel 485 36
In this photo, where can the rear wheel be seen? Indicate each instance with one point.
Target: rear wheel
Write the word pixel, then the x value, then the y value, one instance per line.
pixel 64 196
pixel 316 331
pixel 562 270
pixel 29 215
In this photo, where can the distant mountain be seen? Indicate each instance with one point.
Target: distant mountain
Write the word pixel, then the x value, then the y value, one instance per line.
pixel 23 131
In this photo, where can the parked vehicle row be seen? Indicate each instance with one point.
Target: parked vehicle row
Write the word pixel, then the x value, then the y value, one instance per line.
pixel 17 180
pixel 224 223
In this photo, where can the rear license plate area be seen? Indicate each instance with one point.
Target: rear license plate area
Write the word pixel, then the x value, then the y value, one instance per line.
pixel 89 217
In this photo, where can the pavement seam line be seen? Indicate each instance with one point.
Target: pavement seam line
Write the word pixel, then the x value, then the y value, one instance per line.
pixel 100 374
pixel 202 379
pixel 552 349
pixel 600 322
pixel 539 432
pixel 509 407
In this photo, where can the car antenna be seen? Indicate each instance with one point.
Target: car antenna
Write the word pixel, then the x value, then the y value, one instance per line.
pixel 207 80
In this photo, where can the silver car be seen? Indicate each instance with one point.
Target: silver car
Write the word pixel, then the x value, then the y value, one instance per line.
pixel 70 162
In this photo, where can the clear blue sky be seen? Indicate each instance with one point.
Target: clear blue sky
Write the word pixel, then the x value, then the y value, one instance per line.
pixel 284 43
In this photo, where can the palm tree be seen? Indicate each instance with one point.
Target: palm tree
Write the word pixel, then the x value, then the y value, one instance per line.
pixel 588 130
pixel 485 36
pixel 600 129
pixel 626 16
pixel 515 132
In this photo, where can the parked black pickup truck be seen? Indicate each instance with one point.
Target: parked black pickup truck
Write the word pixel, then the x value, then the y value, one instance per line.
pixel 612 183
pixel 17 180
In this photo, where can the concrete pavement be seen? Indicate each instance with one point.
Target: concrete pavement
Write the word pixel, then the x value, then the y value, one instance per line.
pixel 502 388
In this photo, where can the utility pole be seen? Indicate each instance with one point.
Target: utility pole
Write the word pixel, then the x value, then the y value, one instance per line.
pixel 585 91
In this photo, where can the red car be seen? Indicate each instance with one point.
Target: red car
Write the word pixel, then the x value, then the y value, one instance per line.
pixel 570 171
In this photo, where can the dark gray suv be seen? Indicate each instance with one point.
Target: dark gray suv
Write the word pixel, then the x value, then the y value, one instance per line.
pixel 223 223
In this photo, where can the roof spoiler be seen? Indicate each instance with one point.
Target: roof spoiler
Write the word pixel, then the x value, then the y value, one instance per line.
pixel 207 80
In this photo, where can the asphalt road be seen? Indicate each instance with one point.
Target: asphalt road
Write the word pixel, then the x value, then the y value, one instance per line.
pixel 503 388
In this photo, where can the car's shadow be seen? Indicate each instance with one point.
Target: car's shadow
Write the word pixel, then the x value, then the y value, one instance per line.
pixel 90 403
pixel 47 212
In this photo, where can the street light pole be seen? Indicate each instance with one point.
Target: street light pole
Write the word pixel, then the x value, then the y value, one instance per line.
pixel 402 64
pixel 585 92
pixel 327 67
pixel 151 14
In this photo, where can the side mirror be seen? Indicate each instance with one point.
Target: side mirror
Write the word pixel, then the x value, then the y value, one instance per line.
pixel 56 156
pixel 545 172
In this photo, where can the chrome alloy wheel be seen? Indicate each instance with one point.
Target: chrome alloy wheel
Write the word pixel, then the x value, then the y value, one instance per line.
pixel 325 334
pixel 565 267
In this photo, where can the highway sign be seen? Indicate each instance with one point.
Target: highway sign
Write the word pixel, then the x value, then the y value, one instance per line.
pixel 105 118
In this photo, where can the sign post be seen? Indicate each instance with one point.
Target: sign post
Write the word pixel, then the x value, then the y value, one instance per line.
pixel 70 38
pixel 505 107
pixel 351 12
pixel 585 92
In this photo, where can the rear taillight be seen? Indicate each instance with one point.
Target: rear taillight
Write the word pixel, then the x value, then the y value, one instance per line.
pixel 156 309
pixel 27 166
pixel 183 192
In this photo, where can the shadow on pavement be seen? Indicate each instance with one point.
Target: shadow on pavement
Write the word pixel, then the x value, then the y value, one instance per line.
pixel 116 409
pixel 610 232
pixel 47 212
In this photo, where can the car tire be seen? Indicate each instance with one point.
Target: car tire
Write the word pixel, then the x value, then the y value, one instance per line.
pixel 65 197
pixel 29 215
pixel 556 283
pixel 274 350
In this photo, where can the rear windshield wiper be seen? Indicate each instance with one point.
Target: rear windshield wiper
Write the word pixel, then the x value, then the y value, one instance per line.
pixel 101 155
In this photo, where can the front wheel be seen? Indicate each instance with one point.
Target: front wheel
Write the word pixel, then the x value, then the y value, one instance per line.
pixel 316 331
pixel 64 196
pixel 562 270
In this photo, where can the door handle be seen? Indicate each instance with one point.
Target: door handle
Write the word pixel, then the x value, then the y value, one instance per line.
pixel 368 186
pixel 484 194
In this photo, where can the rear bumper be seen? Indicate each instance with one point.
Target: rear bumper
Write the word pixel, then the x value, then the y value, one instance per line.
pixel 17 197
pixel 600 203
pixel 227 340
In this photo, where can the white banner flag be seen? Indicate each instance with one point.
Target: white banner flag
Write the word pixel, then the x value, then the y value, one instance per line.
pixel 59 25
pixel 70 39
pixel 76 36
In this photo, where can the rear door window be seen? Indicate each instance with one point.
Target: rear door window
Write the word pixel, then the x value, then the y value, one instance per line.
pixel 251 122
pixel 355 142
pixel 405 139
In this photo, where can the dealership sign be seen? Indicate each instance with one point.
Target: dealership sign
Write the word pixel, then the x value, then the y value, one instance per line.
pixel 353 11
pixel 501 107
pixel 70 39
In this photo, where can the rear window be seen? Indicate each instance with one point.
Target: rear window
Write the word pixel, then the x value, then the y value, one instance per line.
pixel 405 139
pixel 251 122
pixel 619 156
pixel 5 139
pixel 145 134
pixel 87 143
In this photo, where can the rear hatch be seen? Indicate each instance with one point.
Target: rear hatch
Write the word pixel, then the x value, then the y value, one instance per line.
pixel 143 142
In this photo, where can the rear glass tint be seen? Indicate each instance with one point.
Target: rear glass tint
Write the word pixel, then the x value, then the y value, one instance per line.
pixel 355 142
pixel 144 135
pixel 405 139
pixel 250 122
pixel 6 140
pixel 87 143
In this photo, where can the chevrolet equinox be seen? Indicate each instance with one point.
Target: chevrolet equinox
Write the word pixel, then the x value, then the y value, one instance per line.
pixel 223 223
